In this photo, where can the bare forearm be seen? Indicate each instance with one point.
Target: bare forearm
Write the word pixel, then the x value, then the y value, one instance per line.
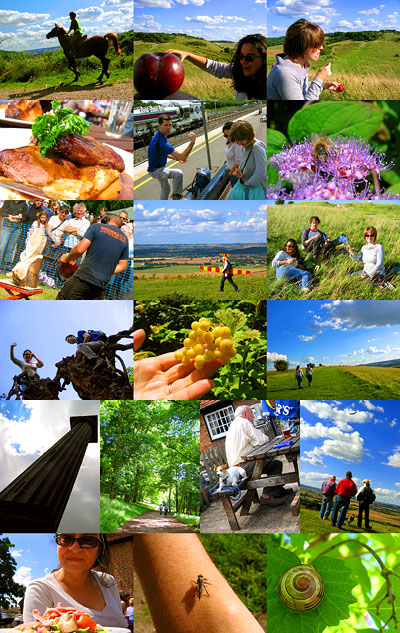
pixel 166 565
pixel 197 60
pixel 188 149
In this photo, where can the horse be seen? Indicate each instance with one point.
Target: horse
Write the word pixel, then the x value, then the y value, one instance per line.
pixel 96 45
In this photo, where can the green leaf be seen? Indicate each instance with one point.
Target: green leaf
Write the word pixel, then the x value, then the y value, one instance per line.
pixel 334 606
pixel 351 119
pixel 275 142
pixel 385 609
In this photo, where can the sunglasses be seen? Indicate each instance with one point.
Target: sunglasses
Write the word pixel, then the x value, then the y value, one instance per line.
pixel 85 542
pixel 289 246
pixel 369 235
pixel 249 58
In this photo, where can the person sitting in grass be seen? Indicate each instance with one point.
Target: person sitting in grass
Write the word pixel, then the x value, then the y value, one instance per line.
pixel 316 241
pixel 372 255
pixel 287 263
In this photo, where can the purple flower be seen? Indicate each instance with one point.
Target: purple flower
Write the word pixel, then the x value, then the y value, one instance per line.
pixel 330 169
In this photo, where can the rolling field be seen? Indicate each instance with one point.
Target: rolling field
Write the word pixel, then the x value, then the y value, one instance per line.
pixel 310 522
pixel 187 279
pixel 332 281
pixel 367 70
pixel 341 383
pixel 197 82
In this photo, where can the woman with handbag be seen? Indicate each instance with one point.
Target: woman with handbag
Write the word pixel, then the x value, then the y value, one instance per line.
pixel 252 170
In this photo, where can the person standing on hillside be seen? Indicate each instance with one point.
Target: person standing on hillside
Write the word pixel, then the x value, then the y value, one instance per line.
pixel 346 489
pixel 365 497
pixel 227 275
pixel 299 376
pixel 328 491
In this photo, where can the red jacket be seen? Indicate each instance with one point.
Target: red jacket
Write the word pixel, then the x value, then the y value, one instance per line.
pixel 346 488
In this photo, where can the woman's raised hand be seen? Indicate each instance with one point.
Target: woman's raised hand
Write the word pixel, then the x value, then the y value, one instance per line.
pixel 180 54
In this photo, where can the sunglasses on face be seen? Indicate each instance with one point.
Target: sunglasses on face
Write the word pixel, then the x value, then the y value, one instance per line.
pixel 249 58
pixel 289 246
pixel 85 542
pixel 369 235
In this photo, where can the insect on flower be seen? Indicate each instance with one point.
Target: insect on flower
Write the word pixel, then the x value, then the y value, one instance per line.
pixel 201 583
pixel 323 146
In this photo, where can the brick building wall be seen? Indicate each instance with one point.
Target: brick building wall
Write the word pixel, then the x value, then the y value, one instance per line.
pixel 121 563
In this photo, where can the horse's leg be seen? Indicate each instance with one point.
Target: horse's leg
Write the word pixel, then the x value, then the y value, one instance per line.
pixel 105 62
pixel 72 66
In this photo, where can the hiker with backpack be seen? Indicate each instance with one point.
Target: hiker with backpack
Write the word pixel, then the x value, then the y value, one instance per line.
pixel 328 491
pixel 365 497
pixel 158 152
pixel 227 275
pixel 89 344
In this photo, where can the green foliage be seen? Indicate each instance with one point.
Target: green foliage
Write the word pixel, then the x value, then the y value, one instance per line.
pixel 188 519
pixel 115 512
pixel 167 322
pixel 49 127
pixel 324 551
pixel 9 589
pixel 242 562
pixel 281 365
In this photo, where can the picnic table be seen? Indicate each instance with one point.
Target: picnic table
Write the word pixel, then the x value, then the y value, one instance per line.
pixel 261 454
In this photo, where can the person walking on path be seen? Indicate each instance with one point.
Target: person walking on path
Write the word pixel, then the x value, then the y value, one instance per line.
pixel 299 376
pixel 309 374
pixel 365 497
pixel 346 489
pixel 328 491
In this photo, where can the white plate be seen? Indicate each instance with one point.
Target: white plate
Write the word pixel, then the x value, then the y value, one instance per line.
pixel 17 123
pixel 11 139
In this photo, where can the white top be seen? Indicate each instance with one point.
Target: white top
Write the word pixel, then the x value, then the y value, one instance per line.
pixel 47 592
pixel 233 155
pixel 282 257
pixel 241 437
pixel 55 221
pixel 30 369
pixel 372 256
pixel 82 224
pixel 299 373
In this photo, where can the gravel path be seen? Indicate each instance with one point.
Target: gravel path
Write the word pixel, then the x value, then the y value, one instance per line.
pixel 151 521
pixel 140 155
pixel 67 91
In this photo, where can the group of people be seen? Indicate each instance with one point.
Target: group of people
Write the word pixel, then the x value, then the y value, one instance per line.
pixel 103 239
pixel 288 78
pixel 299 375
pixel 246 161
pixel 344 491
pixel 163 508
pixel 317 247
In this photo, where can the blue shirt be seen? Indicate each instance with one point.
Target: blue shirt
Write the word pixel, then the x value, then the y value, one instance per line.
pixel 158 152
pixel 108 245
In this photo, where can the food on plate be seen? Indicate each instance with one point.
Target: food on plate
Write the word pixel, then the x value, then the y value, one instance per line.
pixel 62 620
pixel 62 161
pixel 23 109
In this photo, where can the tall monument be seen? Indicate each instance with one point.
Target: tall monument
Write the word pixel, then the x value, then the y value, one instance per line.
pixel 35 501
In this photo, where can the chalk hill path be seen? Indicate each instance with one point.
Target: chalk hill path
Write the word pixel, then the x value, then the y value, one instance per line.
pixel 151 521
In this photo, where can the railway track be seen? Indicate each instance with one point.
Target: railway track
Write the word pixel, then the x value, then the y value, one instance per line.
pixel 140 153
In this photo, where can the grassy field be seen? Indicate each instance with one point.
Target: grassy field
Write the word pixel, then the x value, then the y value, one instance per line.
pixel 48 293
pixel 197 82
pixel 310 522
pixel 205 285
pixel 29 71
pixel 330 383
pixel 367 70
pixel 331 281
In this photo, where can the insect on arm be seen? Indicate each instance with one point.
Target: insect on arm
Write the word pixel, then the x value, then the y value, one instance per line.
pixel 201 583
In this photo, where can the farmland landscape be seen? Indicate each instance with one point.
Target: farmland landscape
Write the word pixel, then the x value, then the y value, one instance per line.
pixel 366 64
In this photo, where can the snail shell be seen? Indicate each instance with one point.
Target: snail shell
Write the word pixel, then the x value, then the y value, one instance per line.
pixel 301 588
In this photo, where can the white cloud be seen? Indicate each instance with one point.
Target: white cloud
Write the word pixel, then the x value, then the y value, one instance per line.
pixel 394 460
pixel 23 575
pixel 370 12
pixel 305 338
pixel 16 553
pixel 16 18
pixel 159 4
pixel 372 407
pixel 273 356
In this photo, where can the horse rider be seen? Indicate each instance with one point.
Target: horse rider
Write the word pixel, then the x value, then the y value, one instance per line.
pixel 77 36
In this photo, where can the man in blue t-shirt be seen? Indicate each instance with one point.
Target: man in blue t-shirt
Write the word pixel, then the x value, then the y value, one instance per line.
pixel 107 253
pixel 158 152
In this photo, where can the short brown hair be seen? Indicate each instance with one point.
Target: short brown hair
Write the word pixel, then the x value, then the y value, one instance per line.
pixel 162 118
pixel 301 36
pixel 242 131
pixel 372 230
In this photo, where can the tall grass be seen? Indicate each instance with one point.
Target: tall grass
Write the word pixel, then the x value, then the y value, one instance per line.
pixel 332 281
pixel 114 513
pixel 188 519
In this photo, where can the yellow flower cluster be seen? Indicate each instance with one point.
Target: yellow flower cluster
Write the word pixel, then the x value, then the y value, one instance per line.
pixel 204 343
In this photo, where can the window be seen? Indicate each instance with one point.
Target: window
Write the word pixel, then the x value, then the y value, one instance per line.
pixel 218 421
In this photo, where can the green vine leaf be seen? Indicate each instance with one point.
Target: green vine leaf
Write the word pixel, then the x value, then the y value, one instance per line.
pixel 385 609
pixel 334 606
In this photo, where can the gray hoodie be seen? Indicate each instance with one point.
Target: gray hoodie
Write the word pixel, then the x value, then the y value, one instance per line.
pixel 289 82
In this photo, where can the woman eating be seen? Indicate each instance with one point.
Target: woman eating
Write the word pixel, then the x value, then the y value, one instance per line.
pixel 248 67
pixel 288 78
pixel 76 583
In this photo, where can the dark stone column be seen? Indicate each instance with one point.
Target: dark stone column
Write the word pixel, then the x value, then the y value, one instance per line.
pixel 35 501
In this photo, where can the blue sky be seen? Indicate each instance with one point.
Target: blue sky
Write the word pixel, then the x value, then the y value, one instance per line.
pixel 211 19
pixel 333 332
pixel 24 26
pixel 27 430
pixel 196 222
pixel 333 15
pixel 42 326
pixel 34 554
pixel 362 436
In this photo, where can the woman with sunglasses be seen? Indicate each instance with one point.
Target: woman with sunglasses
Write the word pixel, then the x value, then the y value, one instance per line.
pixel 288 77
pixel 248 67
pixel 233 153
pixel 287 263
pixel 371 254
pixel 76 583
